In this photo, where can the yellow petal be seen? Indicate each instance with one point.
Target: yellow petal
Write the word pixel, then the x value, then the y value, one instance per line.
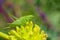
pixel 4 35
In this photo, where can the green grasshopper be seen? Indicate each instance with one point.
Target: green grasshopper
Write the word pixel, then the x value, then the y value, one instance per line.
pixel 21 21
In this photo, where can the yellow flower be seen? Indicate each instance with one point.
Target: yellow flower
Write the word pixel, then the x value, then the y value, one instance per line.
pixel 26 32
pixel 36 28
pixel 12 37
pixel 4 35
pixel 13 32
pixel 17 29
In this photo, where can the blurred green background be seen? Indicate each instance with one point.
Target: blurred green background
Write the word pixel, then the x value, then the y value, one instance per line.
pixel 50 7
